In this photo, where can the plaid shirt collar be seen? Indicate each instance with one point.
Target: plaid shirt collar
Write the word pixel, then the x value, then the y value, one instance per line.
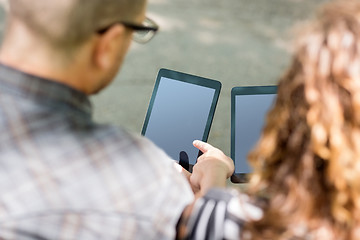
pixel 46 90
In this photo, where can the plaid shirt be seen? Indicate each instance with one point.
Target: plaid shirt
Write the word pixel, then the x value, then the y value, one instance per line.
pixel 64 177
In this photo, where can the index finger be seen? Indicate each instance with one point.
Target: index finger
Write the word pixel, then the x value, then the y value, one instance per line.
pixel 202 146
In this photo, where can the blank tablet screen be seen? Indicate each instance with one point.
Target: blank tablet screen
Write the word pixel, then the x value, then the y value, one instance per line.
pixel 248 118
pixel 180 111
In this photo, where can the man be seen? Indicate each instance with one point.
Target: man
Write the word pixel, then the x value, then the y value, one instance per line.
pixel 62 176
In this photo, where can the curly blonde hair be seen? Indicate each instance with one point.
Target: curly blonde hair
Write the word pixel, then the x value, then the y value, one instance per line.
pixel 307 162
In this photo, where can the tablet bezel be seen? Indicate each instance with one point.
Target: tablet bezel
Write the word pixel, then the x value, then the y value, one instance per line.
pixel 241 177
pixel 187 78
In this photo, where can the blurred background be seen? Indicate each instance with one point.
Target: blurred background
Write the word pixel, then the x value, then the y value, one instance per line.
pixel 237 42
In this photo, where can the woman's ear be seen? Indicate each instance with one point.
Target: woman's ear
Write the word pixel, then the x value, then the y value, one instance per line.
pixel 107 47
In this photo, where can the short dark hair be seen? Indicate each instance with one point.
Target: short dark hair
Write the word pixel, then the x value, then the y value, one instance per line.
pixel 68 23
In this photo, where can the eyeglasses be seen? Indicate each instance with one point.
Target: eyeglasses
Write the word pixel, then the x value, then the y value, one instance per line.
pixel 143 33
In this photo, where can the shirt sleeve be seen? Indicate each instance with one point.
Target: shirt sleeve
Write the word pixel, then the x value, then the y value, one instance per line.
pixel 169 190
pixel 221 214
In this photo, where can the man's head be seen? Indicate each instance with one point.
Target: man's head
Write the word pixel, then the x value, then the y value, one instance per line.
pixel 66 33
pixel 68 23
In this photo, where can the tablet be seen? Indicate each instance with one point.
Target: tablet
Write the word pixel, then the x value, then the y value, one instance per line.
pixel 181 110
pixel 249 106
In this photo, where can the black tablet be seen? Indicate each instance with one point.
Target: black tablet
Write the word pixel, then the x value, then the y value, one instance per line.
pixel 181 110
pixel 249 106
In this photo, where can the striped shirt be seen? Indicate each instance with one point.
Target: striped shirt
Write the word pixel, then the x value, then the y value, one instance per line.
pixel 64 177
pixel 221 214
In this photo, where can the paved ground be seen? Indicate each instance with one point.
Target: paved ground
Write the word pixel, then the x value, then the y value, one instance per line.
pixel 238 42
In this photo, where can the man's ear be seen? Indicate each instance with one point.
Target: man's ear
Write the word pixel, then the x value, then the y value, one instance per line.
pixel 107 47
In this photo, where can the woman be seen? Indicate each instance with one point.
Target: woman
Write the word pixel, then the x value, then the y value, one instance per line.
pixel 308 159
pixel 306 181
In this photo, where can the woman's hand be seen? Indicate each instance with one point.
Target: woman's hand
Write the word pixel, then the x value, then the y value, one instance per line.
pixel 212 169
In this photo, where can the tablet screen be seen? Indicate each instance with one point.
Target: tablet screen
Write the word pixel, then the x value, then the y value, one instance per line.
pixel 181 110
pixel 249 113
